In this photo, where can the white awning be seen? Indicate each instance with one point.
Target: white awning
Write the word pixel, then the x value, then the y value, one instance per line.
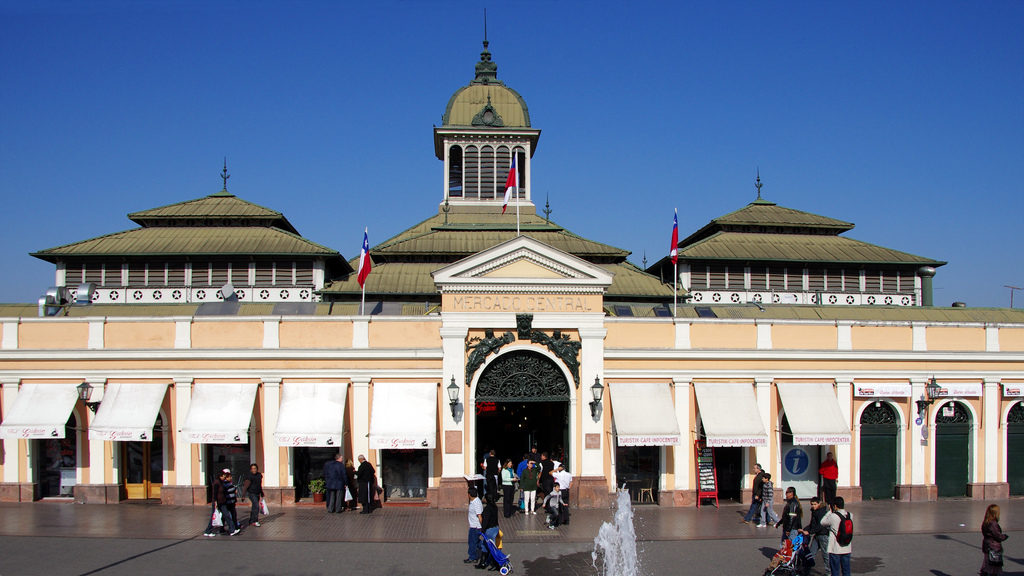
pixel 644 414
pixel 220 413
pixel 730 415
pixel 39 411
pixel 128 412
pixel 312 414
pixel 813 413
pixel 404 415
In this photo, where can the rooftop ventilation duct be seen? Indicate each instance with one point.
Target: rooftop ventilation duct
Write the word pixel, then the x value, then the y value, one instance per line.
pixel 53 300
pixel 227 292
pixel 83 296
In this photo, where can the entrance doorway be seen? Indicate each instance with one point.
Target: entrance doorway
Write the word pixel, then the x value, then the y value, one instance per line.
pixel 879 432
pixel 144 465
pixel 1015 449
pixel 307 464
pixel 56 463
pixel 952 449
pixel 522 400
pixel 799 464
pixel 729 471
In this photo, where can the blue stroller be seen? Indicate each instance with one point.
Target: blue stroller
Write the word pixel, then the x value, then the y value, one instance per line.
pixel 498 557
pixel 794 559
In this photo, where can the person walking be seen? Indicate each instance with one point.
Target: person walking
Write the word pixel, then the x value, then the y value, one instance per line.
pixel 768 502
pixel 475 512
pixel 564 480
pixel 757 493
pixel 838 554
pixel 553 507
pixel 508 489
pixel 792 516
pixel 231 499
pixel 220 502
pixel 528 482
pixel 367 477
pixel 489 529
pixel 335 480
pixel 252 489
pixel 992 538
pixel 829 472
pixel 491 468
pixel 817 533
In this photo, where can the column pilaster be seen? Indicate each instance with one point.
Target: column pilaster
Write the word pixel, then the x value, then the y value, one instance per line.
pixel 271 451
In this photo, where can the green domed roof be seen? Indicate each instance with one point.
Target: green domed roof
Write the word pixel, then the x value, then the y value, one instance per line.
pixel 486 102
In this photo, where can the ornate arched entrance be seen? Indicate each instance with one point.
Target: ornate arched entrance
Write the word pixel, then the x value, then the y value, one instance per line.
pixel 879 445
pixel 522 400
pixel 952 449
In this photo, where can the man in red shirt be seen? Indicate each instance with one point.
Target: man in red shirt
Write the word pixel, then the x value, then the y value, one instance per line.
pixel 829 472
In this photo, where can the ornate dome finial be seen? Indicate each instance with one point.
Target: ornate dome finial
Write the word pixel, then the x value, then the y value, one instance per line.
pixel 486 70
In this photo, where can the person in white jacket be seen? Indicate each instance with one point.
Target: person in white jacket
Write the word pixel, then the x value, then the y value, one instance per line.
pixel 838 554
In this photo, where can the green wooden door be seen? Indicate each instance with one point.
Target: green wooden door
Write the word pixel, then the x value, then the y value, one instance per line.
pixel 952 450
pixel 1015 449
pixel 879 433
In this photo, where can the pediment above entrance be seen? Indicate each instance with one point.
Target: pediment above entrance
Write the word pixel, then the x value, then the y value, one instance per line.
pixel 523 265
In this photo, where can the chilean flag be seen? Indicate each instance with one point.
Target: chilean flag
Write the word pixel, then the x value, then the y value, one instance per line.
pixel 511 183
pixel 674 252
pixel 364 260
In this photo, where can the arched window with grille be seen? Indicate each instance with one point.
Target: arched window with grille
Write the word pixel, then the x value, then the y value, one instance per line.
pixel 471 179
pixel 455 171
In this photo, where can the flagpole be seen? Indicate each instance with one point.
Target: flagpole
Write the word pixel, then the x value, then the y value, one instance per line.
pixel 675 287
pixel 362 301
pixel 517 208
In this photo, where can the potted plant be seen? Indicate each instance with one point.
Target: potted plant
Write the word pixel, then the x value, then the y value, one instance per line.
pixel 318 486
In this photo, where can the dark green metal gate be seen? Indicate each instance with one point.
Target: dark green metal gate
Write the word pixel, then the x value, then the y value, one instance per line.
pixel 1015 449
pixel 879 434
pixel 952 450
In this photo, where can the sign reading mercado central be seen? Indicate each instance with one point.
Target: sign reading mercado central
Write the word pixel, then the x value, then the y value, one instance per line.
pixel 523 303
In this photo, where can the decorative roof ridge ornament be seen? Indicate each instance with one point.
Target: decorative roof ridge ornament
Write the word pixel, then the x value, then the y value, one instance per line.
pixel 758 185
pixel 488 116
pixel 224 178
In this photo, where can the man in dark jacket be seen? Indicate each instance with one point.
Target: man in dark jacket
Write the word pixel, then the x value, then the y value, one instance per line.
pixel 817 533
pixel 491 468
pixel 755 499
pixel 335 479
pixel 792 515
pixel 367 478
pixel 220 502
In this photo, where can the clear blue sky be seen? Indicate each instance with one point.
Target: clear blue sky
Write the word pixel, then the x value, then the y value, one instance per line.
pixel 906 118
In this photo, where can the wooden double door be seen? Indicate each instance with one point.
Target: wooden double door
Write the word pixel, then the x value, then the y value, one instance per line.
pixel 144 466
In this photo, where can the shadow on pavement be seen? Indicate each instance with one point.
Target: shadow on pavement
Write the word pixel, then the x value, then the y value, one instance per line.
pixel 578 563
pixel 136 556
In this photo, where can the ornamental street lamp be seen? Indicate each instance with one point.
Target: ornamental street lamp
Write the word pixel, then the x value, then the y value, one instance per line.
pixel 84 393
pixel 453 396
pixel 595 406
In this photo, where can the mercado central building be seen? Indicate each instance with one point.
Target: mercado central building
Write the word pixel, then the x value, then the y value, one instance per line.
pixel 215 335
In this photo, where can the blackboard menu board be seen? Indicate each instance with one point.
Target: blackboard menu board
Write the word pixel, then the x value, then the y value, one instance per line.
pixel 707 480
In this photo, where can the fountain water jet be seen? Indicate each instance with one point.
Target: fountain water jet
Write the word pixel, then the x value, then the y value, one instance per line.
pixel 615 543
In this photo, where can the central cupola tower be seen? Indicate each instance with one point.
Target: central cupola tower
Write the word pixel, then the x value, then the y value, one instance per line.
pixel 485 124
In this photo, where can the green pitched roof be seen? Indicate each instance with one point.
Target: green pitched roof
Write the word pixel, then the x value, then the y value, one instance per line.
pixel 164 241
pixel 211 210
pixel 796 248
pixel 762 212
pixel 469 232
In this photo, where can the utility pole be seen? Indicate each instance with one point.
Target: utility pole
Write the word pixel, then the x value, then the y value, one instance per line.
pixel 1012 290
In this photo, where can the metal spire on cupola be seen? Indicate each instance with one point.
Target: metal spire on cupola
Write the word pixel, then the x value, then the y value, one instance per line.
pixel 757 183
pixel 486 70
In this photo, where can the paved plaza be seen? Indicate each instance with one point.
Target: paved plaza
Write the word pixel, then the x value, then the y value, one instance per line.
pixel 47 538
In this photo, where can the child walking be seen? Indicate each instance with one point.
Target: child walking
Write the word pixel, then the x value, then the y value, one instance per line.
pixel 767 502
